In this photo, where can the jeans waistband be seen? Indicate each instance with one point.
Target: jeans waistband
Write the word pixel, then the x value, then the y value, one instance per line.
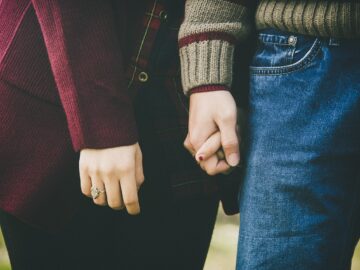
pixel 282 37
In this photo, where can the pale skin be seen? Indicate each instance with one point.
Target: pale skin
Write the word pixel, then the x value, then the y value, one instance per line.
pixel 213 126
pixel 119 171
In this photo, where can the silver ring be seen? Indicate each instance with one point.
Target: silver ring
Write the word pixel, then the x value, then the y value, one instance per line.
pixel 96 192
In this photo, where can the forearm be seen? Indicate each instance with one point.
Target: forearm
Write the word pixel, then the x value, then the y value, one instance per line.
pixel 86 60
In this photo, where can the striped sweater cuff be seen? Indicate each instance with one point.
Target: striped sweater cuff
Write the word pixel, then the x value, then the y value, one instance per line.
pixel 207 39
pixel 207 62
pixel 208 88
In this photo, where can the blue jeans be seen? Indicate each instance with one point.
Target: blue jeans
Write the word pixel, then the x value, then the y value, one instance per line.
pixel 300 201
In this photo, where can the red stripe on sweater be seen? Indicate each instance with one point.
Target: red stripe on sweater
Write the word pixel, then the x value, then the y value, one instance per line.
pixel 208 88
pixel 206 36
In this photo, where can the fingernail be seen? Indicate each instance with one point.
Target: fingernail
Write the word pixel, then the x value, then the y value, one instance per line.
pixel 201 157
pixel 233 159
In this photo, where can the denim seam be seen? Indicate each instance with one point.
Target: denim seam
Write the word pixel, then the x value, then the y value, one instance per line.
pixel 269 39
pixel 277 237
pixel 290 55
pixel 276 43
pixel 299 65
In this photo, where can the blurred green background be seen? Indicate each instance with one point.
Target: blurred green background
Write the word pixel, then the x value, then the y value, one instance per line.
pixel 222 254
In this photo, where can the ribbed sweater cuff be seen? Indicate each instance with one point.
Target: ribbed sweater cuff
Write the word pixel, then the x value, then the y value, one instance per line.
pixel 207 39
pixel 340 19
pixel 207 62
pixel 208 88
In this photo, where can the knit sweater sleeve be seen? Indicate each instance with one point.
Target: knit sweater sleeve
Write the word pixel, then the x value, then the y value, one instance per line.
pixel 86 61
pixel 207 38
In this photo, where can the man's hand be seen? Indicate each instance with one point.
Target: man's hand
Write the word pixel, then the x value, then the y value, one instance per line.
pixel 212 158
pixel 211 112
pixel 117 171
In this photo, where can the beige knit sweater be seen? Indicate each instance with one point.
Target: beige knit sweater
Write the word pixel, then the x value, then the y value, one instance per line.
pixel 211 29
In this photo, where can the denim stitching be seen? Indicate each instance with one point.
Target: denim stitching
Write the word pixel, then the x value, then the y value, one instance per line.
pixel 299 65
pixel 273 39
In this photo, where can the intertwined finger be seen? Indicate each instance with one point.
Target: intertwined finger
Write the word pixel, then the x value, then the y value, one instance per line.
pixel 230 141
pixel 189 146
pixel 209 148
pixel 213 165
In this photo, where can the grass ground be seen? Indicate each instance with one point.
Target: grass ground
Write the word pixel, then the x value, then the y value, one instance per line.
pixel 222 253
pixel 4 260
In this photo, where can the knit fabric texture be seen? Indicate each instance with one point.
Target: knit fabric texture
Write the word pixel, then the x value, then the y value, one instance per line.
pixel 207 39
pixel 211 29
pixel 339 19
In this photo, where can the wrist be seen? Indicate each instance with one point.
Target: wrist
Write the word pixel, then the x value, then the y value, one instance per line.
pixel 208 88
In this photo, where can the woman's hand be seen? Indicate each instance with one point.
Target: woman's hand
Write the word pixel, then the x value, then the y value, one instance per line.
pixel 116 173
pixel 212 112
pixel 211 157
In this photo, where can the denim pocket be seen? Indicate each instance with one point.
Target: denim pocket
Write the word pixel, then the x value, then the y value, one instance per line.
pixel 281 52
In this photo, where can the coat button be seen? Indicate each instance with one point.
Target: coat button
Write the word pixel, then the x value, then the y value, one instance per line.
pixel 143 77
pixel 163 15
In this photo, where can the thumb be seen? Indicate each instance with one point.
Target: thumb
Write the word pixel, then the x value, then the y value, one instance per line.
pixel 230 142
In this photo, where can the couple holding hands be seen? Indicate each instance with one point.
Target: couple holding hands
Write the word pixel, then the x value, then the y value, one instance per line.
pixel 110 91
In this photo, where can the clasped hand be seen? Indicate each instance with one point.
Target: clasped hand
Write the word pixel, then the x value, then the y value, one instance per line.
pixel 116 174
pixel 212 127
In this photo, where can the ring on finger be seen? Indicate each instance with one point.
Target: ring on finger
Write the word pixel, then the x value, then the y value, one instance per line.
pixel 96 192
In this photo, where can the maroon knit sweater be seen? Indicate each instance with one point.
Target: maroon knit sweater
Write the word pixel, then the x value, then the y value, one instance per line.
pixel 62 88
